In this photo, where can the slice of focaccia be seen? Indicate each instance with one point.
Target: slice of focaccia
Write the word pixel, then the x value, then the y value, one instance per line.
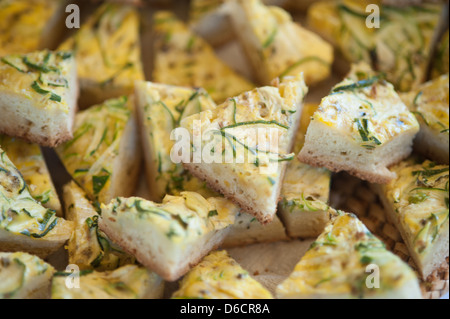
pixel 276 46
pixel 161 108
pixel 240 149
pixel 305 191
pixel 182 58
pixel 30 162
pixel 108 53
pixel 127 282
pixel 29 25
pixel 347 261
pixel 361 127
pixel 24 276
pixel 104 157
pixel 218 276
pixel 38 96
pixel 400 46
pixel 417 203
pixel 89 247
pixel 429 103
pixel 25 225
pixel 171 237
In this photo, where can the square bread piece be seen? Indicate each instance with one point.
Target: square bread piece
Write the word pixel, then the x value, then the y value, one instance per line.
pixel 249 139
pixel 417 203
pixel 361 127
pixel 171 237
pixel 183 58
pixel 305 192
pixel 25 225
pixel 104 156
pixel 24 276
pixel 400 47
pixel 126 282
pixel 276 46
pixel 30 162
pixel 89 247
pixel 108 53
pixel 343 262
pixel 161 108
pixel 29 25
pixel 429 103
pixel 218 276
pixel 38 96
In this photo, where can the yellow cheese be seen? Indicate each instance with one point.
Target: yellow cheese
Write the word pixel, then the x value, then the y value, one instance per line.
pixel 182 58
pixel 31 164
pixel 219 276
pixel 335 266
pixel 127 282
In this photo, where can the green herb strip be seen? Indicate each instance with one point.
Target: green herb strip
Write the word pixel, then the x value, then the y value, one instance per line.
pixel 302 61
pixel 256 123
pixel 54 97
pixel 357 85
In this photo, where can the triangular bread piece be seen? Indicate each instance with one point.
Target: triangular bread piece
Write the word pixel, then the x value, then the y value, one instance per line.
pixel 104 156
pixel 30 162
pixel 24 276
pixel 241 148
pixel 362 127
pixel 276 46
pixel 347 261
pixel 218 276
pixel 171 237
pixel 25 225
pixel 38 96
pixel 108 53
pixel 182 58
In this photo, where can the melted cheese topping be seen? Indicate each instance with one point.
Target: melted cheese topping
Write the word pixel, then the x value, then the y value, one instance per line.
pixel 21 214
pixel 127 282
pixel 419 196
pixel 219 276
pixel 335 265
pixel 163 107
pixel 22 24
pixel 107 47
pixel 39 76
pixel 251 134
pixel 181 219
pixel 17 270
pixel 366 109
pixel 281 46
pixel 97 135
pixel 89 247
pixel 31 164
pixel 182 58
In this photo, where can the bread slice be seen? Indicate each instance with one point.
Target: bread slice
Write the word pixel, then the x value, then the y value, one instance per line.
pixel 182 58
pixel 25 225
pixel 417 203
pixel 361 127
pixel 89 247
pixel 126 282
pixel 305 192
pixel 104 157
pixel 160 109
pixel 171 237
pixel 29 25
pixel 24 276
pixel 38 96
pixel 242 146
pixel 218 276
pixel 30 162
pixel 108 53
pixel 400 47
pixel 347 261
pixel 429 103
pixel 276 46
